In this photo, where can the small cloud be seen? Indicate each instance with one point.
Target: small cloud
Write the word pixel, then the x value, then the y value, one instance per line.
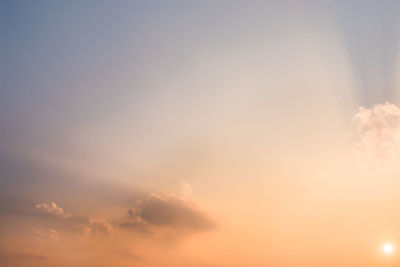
pixel 47 234
pixel 101 226
pixel 53 209
pixel 97 227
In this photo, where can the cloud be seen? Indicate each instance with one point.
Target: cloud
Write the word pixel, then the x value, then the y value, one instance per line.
pixel 377 131
pixel 101 226
pixel 171 211
pixel 53 209
pixel 47 234
pixel 86 227
pixel 97 226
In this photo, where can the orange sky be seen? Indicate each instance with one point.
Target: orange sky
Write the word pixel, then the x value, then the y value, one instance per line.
pixel 190 134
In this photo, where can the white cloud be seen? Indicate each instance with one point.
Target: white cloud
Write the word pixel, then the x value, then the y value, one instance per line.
pixel 53 209
pixel 377 131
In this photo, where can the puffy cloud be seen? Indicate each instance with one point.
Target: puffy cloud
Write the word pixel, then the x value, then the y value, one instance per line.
pixel 377 131
pixel 53 209
pixel 171 211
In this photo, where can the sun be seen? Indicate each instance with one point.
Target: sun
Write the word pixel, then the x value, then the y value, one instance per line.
pixel 388 248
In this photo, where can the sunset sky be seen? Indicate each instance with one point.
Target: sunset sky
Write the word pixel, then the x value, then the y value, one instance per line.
pixel 199 133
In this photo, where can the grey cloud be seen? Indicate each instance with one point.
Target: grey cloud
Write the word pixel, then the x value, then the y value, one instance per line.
pixel 173 212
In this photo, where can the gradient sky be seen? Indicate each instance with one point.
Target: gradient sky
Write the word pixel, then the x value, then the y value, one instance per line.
pixel 199 133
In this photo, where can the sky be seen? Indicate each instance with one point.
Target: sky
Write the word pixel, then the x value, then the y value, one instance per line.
pixel 199 133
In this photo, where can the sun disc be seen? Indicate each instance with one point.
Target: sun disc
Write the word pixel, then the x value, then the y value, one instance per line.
pixel 388 248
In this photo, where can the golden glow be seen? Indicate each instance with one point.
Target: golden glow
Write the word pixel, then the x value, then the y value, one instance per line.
pixel 388 248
